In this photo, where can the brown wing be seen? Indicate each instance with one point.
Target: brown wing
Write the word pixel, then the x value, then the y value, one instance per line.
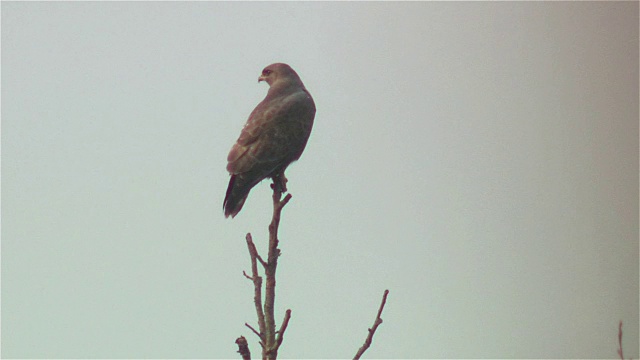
pixel 274 136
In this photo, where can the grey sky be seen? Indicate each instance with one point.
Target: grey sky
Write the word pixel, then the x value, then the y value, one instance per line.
pixel 480 160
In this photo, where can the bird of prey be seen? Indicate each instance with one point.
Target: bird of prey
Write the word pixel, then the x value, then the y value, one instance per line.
pixel 273 137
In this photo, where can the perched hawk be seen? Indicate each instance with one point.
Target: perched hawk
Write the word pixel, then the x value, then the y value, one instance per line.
pixel 274 136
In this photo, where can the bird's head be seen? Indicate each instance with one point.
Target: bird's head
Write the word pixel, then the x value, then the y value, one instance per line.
pixel 279 74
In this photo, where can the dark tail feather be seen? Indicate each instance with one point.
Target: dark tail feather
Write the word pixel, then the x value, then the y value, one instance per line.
pixel 237 193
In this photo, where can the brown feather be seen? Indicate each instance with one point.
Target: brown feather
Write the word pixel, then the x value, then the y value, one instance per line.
pixel 275 135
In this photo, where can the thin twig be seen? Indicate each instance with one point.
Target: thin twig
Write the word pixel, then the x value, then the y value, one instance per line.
pixel 247 276
pixel 283 327
pixel 243 348
pixel 254 330
pixel 284 201
pixel 376 323
pixel 620 341
pixel 264 264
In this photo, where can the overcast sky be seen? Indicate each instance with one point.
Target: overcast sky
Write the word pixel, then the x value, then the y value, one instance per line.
pixel 479 160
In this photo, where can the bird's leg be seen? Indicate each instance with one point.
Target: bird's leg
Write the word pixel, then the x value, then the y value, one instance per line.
pixel 279 182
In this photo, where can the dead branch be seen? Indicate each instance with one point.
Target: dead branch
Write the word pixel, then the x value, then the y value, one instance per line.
pixel 376 323
pixel 257 285
pixel 620 353
pixel 270 339
pixel 243 348
pixel 254 331
pixel 283 328
pixel 270 351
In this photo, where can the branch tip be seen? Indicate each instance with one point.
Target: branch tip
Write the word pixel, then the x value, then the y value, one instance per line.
pixel 620 353
pixel 285 200
pixel 283 328
pixel 247 276
pixel 254 330
pixel 372 331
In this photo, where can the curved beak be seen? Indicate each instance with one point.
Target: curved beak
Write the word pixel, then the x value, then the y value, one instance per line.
pixel 262 78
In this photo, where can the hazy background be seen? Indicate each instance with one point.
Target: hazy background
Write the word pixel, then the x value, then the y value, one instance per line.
pixel 480 160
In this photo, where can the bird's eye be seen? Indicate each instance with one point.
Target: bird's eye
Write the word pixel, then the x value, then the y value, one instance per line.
pixel 266 72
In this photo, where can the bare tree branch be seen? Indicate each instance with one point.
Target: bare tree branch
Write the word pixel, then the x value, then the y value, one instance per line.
pixel 247 276
pixel 264 264
pixel 376 323
pixel 243 348
pixel 257 285
pixel 270 339
pixel 283 328
pixel 620 353
pixel 254 331
pixel 270 351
